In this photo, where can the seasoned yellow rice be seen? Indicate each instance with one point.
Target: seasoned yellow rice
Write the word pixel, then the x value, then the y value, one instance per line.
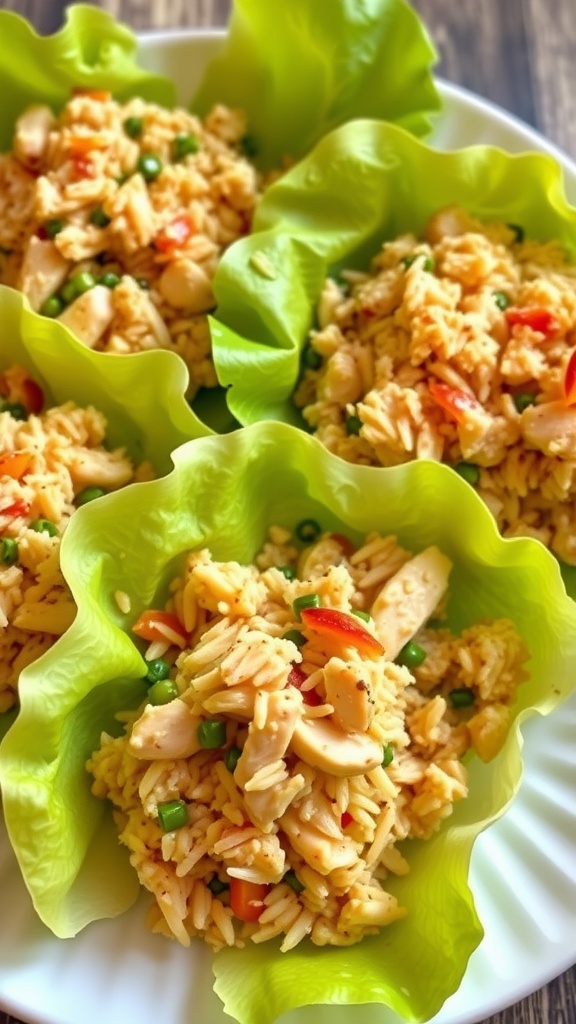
pixel 144 200
pixel 47 459
pixel 297 755
pixel 456 347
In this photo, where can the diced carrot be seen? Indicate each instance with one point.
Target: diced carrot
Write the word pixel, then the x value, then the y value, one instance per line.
pixel 102 95
pixel 15 464
pixel 454 401
pixel 246 899
pixel 535 317
pixel 159 625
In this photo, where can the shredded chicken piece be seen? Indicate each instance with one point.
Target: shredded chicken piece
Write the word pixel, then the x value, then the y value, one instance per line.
pixel 409 599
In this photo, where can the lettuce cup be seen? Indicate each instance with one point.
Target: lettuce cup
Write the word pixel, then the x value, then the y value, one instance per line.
pixel 117 203
pixel 430 313
pixel 73 428
pixel 378 615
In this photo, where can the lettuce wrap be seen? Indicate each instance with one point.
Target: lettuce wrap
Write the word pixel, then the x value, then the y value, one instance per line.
pixel 223 493
pixel 126 390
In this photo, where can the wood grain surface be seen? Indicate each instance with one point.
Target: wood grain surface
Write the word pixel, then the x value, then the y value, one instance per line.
pixel 521 54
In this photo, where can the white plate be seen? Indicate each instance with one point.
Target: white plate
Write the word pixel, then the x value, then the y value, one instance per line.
pixel 523 871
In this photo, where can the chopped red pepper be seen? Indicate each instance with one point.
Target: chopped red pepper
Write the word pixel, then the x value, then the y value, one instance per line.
pixel 570 380
pixel 341 626
pixel 103 95
pixel 82 167
pixel 174 235
pixel 246 898
pixel 296 677
pixel 535 317
pixel 454 401
pixel 16 509
pixel 348 548
pixel 159 625
pixel 15 464
pixel 346 819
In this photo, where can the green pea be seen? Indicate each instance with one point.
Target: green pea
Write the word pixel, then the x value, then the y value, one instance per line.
pixel 16 410
pixel 524 400
pixel 305 601
pixel 461 698
pixel 8 551
pixel 501 299
pixel 99 218
pixel 54 227
pixel 212 733
pixel 162 692
pixel 387 755
pixel 311 359
pixel 288 571
pixel 89 494
pixel 133 126
pixel 518 232
pixel 353 425
pixel 216 886
pixel 308 530
pixel 82 282
pixel 468 471
pixel 291 879
pixel 156 671
pixel 295 636
pixel 44 526
pixel 184 144
pixel 110 279
pixel 231 758
pixel 150 166
pixel 172 814
pixel 52 307
pixel 412 655
pixel 68 292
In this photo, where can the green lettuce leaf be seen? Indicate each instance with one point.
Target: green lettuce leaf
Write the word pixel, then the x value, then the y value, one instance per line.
pixel 224 492
pixel 124 388
pixel 362 184
pixel 90 50
pixel 299 69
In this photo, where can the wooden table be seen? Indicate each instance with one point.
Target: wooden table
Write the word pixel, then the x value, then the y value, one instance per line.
pixel 520 54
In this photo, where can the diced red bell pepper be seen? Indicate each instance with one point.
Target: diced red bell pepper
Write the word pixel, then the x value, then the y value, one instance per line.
pixel 16 509
pixel 341 626
pixel 246 899
pixel 174 235
pixel 346 819
pixel 159 625
pixel 348 548
pixel 535 317
pixel 452 400
pixel 296 677
pixel 82 167
pixel 570 380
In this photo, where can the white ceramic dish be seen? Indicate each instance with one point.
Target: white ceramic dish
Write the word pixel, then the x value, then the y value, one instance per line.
pixel 523 871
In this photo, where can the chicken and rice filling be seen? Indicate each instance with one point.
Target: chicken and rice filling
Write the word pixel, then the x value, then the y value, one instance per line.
pixel 305 714
pixel 459 346
pixel 113 217
pixel 52 461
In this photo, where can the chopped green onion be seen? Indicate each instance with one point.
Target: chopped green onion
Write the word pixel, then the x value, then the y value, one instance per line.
pixel 305 601
pixel 361 614
pixel 518 232
pixel 427 264
pixel 523 400
pixel 52 306
pixel 98 218
pixel 8 551
pixel 295 636
pixel 172 814
pixel 133 126
pixel 353 425
pixel 109 279
pixel 308 530
pixel 216 885
pixel 291 879
pixel 288 571
pixel 44 526
pixel 157 670
pixel 184 144
pixel 411 655
pixel 387 755
pixel 231 758
pixel 311 358
pixel 501 299
pixel 54 227
pixel 162 692
pixel 150 166
pixel 468 471
pixel 461 698
pixel 212 733
pixel 16 410
pixel 89 494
